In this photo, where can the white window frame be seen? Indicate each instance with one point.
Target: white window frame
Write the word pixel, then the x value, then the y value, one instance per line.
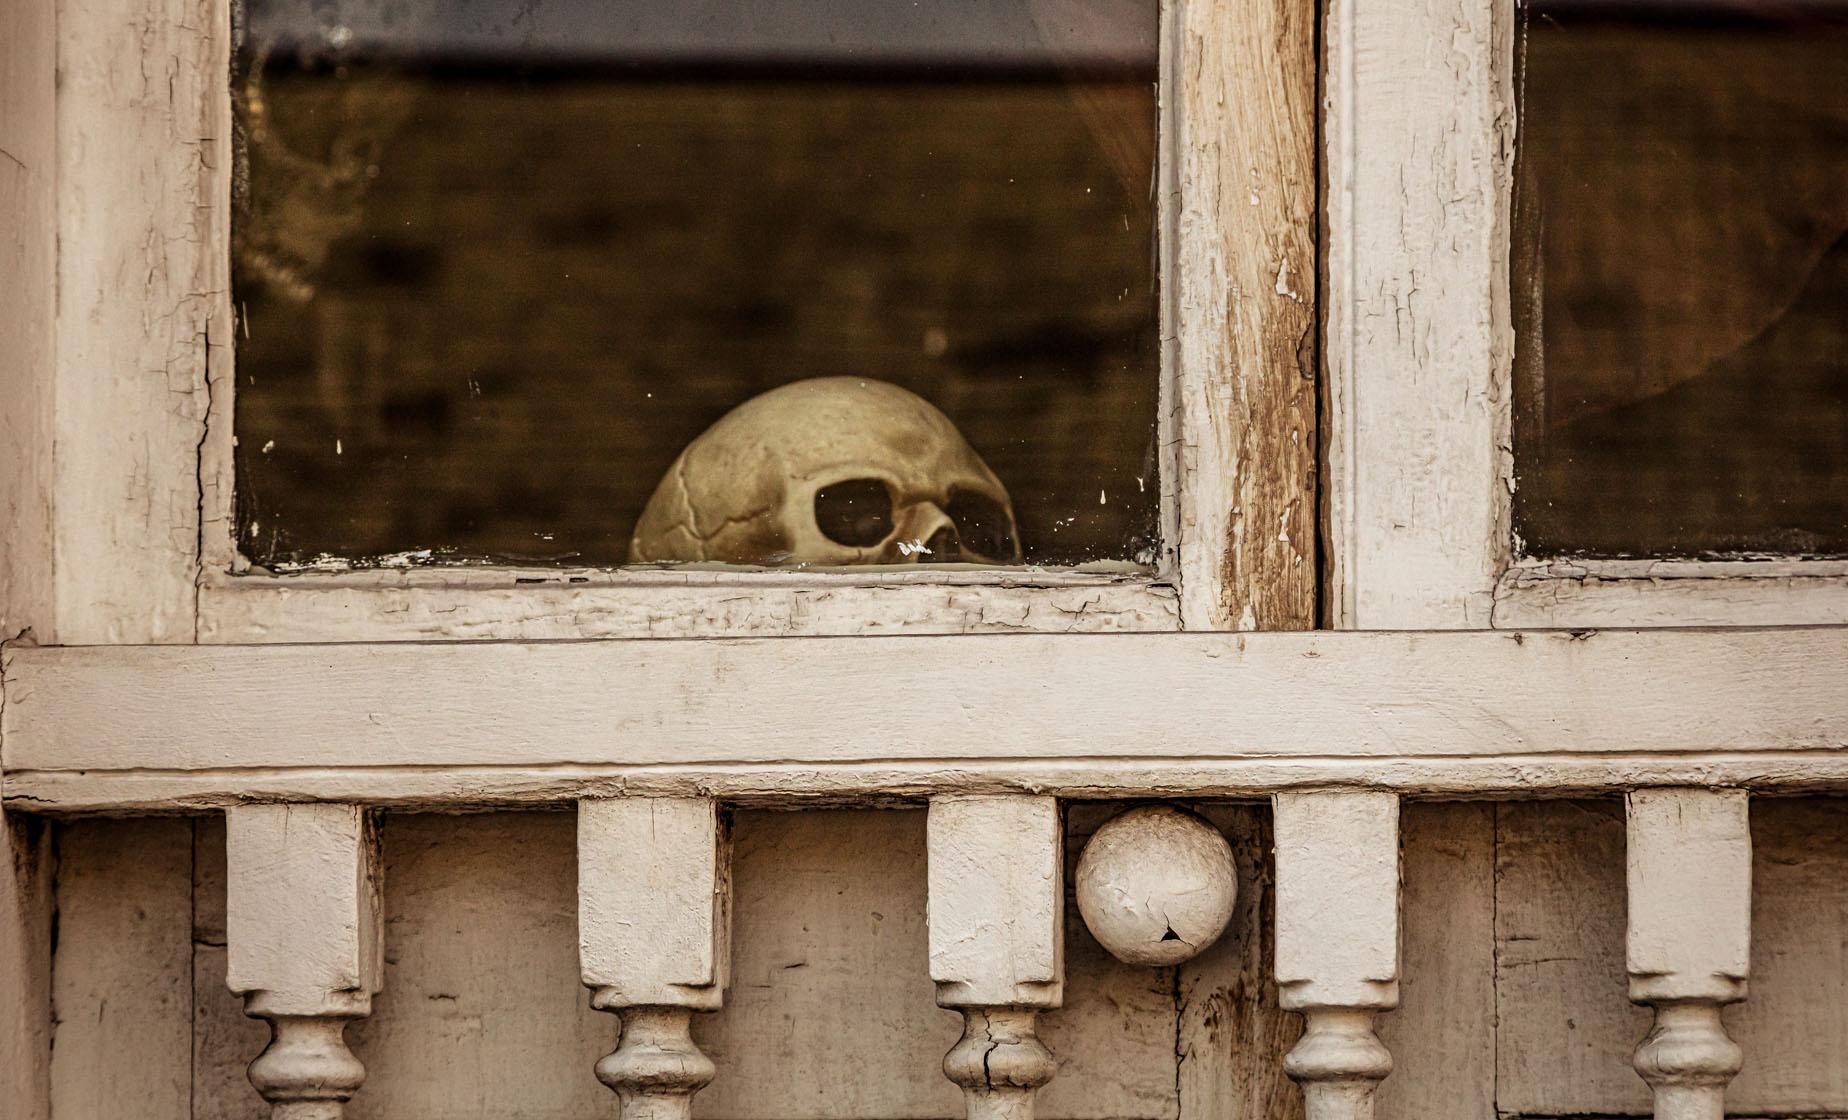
pixel 139 404
pixel 1420 133
pixel 124 371
pixel 115 517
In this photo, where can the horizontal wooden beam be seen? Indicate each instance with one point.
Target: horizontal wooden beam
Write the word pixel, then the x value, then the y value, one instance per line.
pixel 851 719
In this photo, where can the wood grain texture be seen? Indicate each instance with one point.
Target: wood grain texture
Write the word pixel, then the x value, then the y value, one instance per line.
pixel 1688 855
pixel 1084 715
pixel 426 606
pixel 483 986
pixel 1337 863
pixel 1242 137
pixel 997 895
pixel 144 168
pixel 302 914
pixel 28 313
pixel 1231 1034
pixel 1442 1036
pixel 1419 131
pixel 1567 1027
pixel 26 907
pixel 1667 593
pixel 122 980
pixel 654 901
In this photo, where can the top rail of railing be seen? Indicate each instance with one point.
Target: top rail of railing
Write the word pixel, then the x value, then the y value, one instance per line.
pixel 168 728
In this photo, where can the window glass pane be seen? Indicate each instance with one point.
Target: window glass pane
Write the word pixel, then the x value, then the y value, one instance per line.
pixel 1681 278
pixel 498 263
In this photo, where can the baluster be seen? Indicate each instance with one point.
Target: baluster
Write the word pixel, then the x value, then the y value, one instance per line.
pixel 1338 942
pixel 1690 885
pixel 654 938
pixel 303 946
pixel 996 945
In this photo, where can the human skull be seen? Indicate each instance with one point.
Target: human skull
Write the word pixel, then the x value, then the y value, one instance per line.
pixel 830 471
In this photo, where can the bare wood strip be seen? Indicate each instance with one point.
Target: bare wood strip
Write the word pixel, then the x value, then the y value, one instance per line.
pixel 1243 273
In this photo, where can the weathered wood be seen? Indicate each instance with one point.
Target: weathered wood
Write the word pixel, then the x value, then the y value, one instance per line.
pixel 303 946
pixel 997 942
pixel 28 314
pixel 28 328
pixel 26 905
pixel 144 170
pixel 1419 132
pixel 1231 1034
pixel 1608 593
pixel 1338 942
pixel 481 943
pixel 468 605
pixel 1241 176
pixel 1566 1032
pixel 122 981
pixel 1689 868
pixel 1086 716
pixel 654 939
pixel 1442 1037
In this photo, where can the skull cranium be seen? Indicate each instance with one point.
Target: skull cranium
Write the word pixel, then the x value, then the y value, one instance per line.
pixel 830 471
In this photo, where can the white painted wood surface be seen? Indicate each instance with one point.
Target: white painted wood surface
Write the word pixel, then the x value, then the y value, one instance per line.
pixel 28 314
pixel 1073 715
pixel 997 942
pixel 26 906
pixel 484 979
pixel 1611 593
pixel 124 958
pixel 303 946
pixel 1338 942
pixel 1442 1036
pixel 1419 129
pixel 654 940
pixel 483 985
pixel 1689 874
pixel 481 605
pixel 143 146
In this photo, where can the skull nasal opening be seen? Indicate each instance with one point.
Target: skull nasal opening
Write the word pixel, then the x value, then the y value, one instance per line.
pixel 944 544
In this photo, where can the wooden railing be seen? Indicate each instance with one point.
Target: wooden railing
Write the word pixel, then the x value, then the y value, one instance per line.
pixel 655 741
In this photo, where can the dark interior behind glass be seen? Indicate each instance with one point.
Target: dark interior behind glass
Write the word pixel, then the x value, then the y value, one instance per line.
pixel 498 261
pixel 1681 278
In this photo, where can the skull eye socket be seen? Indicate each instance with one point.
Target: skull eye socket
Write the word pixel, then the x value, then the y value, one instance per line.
pixel 983 524
pixel 856 513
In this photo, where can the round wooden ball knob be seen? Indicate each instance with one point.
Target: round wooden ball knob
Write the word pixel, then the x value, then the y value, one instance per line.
pixel 1156 885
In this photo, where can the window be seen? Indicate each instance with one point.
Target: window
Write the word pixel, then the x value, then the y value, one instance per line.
pixel 1681 279
pixel 498 265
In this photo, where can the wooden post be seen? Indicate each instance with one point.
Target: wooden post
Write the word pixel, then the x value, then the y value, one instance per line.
pixel 654 924
pixel 303 946
pixel 996 945
pixel 1338 942
pixel 1689 867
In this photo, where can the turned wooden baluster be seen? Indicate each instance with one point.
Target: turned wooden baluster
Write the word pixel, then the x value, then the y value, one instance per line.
pixel 303 946
pixel 1338 942
pixel 654 924
pixel 1690 885
pixel 996 945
